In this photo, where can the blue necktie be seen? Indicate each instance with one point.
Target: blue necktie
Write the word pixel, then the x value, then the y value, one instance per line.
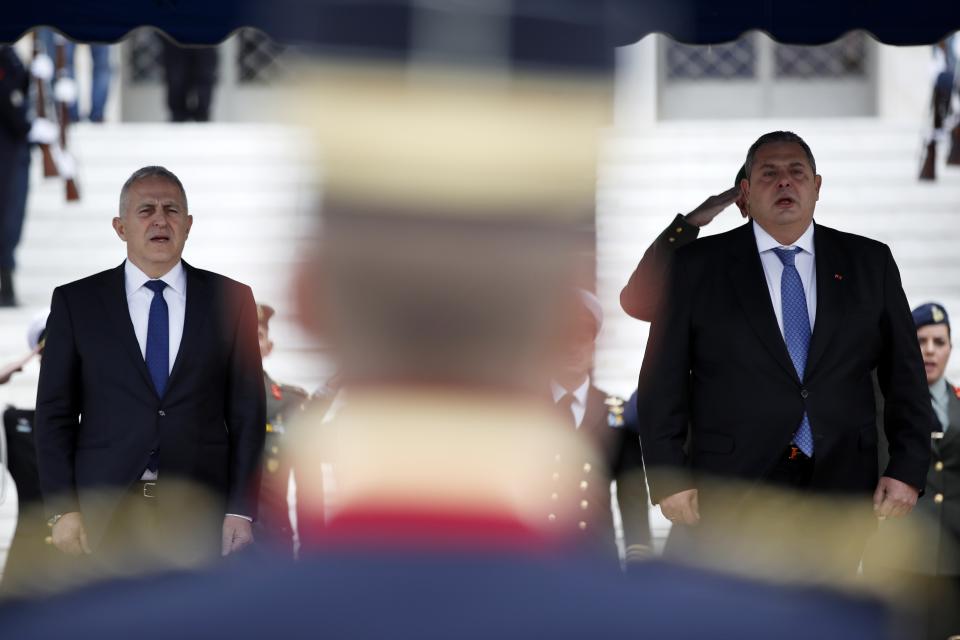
pixel 157 354
pixel 796 332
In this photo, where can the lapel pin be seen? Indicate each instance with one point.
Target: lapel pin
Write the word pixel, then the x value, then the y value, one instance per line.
pixel 837 276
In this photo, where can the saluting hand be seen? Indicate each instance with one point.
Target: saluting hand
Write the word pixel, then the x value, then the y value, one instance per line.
pixel 69 535
pixel 893 498
pixel 682 508
pixel 709 208
pixel 237 533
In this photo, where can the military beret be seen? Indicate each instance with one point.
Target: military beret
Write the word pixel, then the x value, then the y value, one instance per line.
pixel 591 303
pixel 930 313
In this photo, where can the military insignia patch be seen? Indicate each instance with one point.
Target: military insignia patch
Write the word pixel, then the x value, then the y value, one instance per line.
pixel 614 411
pixel 272 465
pixel 937 314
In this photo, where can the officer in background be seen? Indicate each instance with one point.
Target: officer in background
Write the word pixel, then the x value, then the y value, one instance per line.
pixel 931 565
pixel 284 403
pixel 583 491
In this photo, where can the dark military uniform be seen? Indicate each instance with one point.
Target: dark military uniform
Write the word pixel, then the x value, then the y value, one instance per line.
pixel 273 527
pixel 581 488
pixel 941 500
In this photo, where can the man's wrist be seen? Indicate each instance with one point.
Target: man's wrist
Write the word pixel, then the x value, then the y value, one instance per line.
pixel 242 517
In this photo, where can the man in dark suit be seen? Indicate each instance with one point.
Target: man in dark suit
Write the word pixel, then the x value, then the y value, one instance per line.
pixel 598 417
pixel 151 381
pixel 764 349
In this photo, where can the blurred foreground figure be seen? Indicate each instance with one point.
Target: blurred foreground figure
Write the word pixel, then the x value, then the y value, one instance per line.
pixel 598 417
pixel 441 281
pixel 764 352
pixel 150 407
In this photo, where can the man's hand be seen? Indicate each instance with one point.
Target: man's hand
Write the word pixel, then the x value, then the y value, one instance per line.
pixel 237 533
pixel 893 498
pixel 69 534
pixel 682 508
pixel 708 210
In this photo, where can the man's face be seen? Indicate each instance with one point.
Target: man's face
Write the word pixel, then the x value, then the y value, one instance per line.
pixel 154 224
pixel 782 190
pixel 935 347
pixel 266 344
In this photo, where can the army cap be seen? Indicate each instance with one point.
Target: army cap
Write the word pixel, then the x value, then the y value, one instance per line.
pixel 931 313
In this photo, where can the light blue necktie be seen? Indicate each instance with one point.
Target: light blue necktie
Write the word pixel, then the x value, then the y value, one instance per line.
pixel 157 355
pixel 796 332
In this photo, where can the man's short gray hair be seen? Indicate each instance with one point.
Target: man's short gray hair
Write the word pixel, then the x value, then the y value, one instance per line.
pixel 777 136
pixel 152 171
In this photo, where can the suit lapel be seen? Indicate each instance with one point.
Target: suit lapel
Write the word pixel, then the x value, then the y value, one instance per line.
pixel 750 284
pixel 198 301
pixel 831 301
pixel 114 297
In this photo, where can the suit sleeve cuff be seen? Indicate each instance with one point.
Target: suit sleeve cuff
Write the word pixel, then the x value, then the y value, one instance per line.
pixel 237 515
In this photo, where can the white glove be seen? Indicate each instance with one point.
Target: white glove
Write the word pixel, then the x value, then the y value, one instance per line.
pixel 65 90
pixel 43 131
pixel 42 67
pixel 66 165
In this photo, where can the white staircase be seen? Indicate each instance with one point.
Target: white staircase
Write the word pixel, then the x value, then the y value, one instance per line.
pixel 251 192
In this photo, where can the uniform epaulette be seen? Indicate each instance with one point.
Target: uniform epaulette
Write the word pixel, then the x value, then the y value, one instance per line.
pixel 614 410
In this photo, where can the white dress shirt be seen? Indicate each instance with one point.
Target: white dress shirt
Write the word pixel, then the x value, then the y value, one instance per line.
pixel 579 404
pixel 139 298
pixel 773 269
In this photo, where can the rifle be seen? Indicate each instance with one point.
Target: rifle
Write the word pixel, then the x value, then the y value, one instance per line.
pixel 73 193
pixel 49 164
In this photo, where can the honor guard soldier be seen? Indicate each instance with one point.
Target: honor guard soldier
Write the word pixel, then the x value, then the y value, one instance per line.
pixel 31 553
pixel 284 402
pixel 581 488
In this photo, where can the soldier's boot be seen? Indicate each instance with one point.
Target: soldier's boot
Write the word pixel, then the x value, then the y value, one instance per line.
pixel 928 170
pixel 7 296
pixel 954 157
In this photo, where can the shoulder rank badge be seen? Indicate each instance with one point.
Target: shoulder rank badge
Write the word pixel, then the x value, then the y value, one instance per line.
pixel 614 411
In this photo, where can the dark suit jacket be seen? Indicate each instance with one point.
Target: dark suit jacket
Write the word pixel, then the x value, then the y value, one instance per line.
pixel 716 360
pixel 208 426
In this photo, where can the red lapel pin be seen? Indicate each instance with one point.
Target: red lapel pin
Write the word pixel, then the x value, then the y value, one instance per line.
pixel 837 276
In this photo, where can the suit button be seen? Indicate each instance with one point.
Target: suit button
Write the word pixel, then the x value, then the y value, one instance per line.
pixel 804 394
pixel 583 485
pixel 938 466
pixel 552 517
pixel 587 467
pixel 582 525
pixel 556 476
pixel 938 498
pixel 584 504
pixel 162 413
pixel 554 496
